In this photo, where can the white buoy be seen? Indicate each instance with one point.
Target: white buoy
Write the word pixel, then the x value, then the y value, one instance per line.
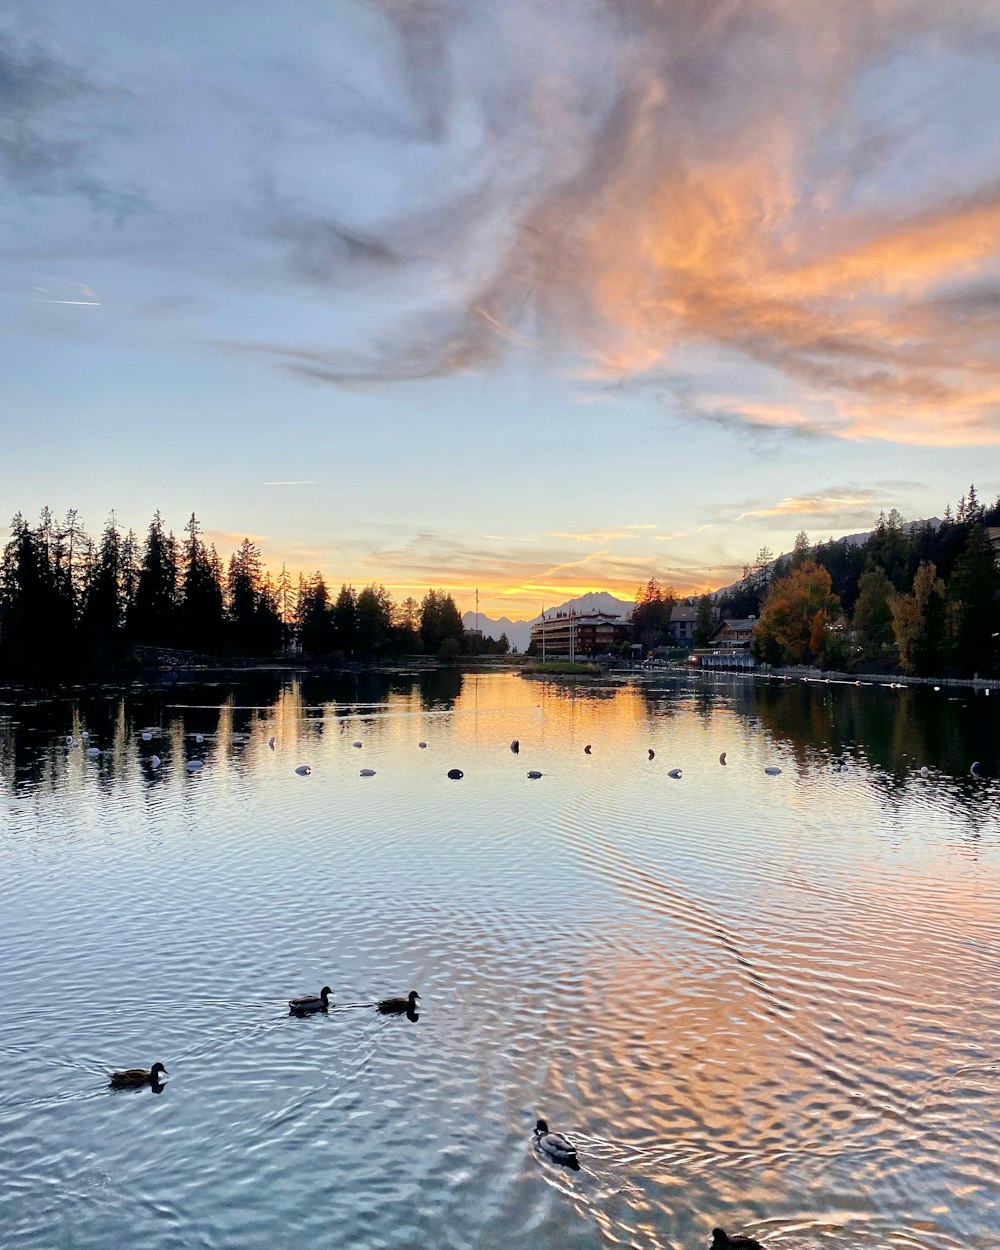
pixel 92 751
pixel 195 766
pixel 675 773
pixel 534 774
pixel 937 687
pixel 974 770
pixel 925 771
pixel 422 746
pixel 303 770
pixel 199 737
pixel 147 737
pixel 772 770
pixel 368 772
pixel 154 761
pixel 355 744
pixel 73 743
pixel 85 734
pixel 69 740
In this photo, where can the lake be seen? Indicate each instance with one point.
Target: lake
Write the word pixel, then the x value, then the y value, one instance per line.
pixel 766 1002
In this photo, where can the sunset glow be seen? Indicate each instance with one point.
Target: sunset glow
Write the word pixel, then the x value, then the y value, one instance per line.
pixel 530 297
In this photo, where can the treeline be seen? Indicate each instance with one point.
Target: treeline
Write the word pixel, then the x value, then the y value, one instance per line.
pixel 923 598
pixel 68 600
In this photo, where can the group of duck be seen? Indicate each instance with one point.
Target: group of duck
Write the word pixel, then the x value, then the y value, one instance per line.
pixel 135 1078
pixel 559 1147
pixel 555 1146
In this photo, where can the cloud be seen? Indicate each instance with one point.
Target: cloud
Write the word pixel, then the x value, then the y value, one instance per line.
pixel 660 176
pixel 644 194
pixel 52 119
pixel 835 505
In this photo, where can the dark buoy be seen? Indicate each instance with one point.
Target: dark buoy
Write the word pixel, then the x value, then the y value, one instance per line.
pixel 515 746
pixel 652 753
pixel 455 774
pixel 675 773
pixel 586 749
pixel 368 772
pixel 534 774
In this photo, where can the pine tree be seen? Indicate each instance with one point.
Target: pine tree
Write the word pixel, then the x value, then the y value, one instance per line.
pixel 153 618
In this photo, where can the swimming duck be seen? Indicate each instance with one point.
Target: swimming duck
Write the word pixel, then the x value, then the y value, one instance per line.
pixel 455 774
pixel 652 753
pixel 554 1144
pixel 515 746
pixel 586 749
pixel 132 1078
pixel 675 773
pixel 311 1002
pixel 722 1241
pixel 534 774
pixel 396 1006
pixel 722 758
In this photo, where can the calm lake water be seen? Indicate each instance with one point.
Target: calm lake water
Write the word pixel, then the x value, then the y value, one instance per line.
pixel 766 1002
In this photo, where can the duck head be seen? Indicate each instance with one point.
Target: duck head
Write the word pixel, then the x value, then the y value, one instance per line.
pixel 325 993
pixel 412 998
pixel 156 1070
pixel 541 1126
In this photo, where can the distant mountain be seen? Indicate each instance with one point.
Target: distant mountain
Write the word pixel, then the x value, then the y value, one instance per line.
pixel 519 632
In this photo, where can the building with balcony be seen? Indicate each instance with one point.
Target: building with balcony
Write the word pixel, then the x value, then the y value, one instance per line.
pixel 580 633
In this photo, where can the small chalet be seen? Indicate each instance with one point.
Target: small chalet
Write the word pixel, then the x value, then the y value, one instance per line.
pixel 733 634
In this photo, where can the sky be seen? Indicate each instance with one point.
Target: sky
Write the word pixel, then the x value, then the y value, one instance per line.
pixel 534 296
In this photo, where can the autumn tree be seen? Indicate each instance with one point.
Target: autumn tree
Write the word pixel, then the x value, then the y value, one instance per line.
pixel 795 616
pixel 919 620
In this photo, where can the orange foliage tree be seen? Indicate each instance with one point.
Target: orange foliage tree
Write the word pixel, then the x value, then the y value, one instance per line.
pixel 795 616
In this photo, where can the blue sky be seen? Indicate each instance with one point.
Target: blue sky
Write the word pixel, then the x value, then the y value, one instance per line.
pixel 537 296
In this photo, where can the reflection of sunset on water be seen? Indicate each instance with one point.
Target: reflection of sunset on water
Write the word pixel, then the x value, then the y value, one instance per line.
pixel 771 998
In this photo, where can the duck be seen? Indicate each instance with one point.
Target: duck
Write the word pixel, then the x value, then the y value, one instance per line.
pixel 675 773
pixel 722 758
pixel 652 753
pixel 132 1078
pixel 555 1145
pixel 396 1006
pixel 311 1002
pixel 515 746
pixel 455 774
pixel 586 749
pixel 721 1240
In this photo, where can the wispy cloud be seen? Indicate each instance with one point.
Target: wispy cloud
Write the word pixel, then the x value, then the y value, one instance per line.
pixel 302 482
pixel 687 174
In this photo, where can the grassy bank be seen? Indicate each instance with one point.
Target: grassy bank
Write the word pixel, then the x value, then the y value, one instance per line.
pixel 560 668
